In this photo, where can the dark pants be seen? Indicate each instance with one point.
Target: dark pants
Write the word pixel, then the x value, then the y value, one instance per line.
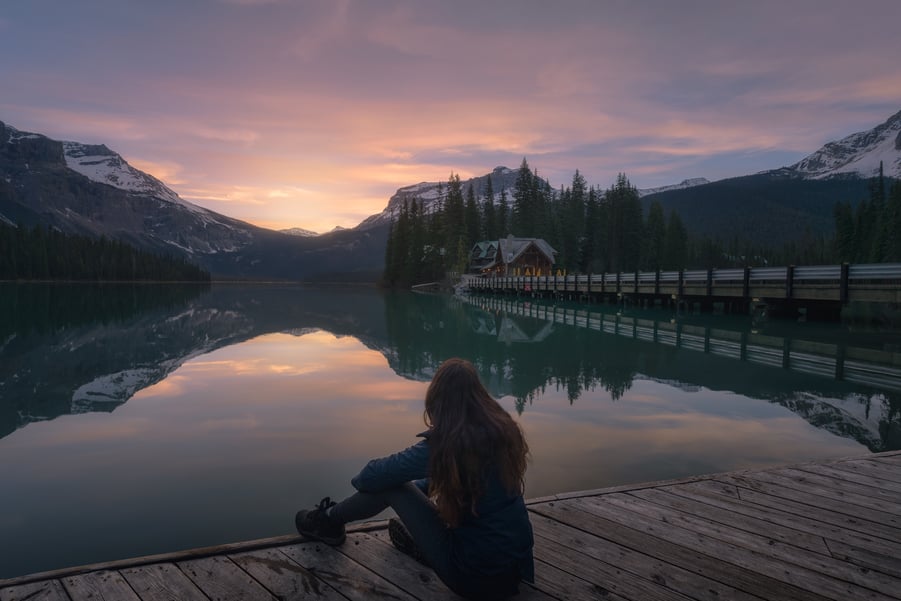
pixel 431 535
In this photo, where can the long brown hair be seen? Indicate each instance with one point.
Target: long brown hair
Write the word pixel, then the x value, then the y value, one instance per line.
pixel 470 435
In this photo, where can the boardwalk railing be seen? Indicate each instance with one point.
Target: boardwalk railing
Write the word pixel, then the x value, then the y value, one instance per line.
pixel 838 283
pixel 870 367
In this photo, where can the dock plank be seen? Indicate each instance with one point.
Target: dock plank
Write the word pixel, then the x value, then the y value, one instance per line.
pixel 782 533
pixel 283 577
pixel 527 592
pixel 877 469
pixel 686 558
pixel 831 490
pixel 733 553
pixel 619 569
pixel 395 567
pixel 776 552
pixel 827 510
pixel 809 532
pixel 352 580
pixel 46 590
pixel 103 585
pixel 162 582
pixel 885 487
pixel 726 496
pixel 221 579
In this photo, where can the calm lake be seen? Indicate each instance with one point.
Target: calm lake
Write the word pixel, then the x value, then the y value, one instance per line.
pixel 143 419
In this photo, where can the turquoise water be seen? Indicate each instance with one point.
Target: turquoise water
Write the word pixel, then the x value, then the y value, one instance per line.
pixel 141 420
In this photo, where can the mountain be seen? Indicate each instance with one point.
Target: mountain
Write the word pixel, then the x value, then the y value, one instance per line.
pixel 502 179
pixel 299 231
pixel 794 202
pixel 857 155
pixel 769 209
pixel 684 184
pixel 91 190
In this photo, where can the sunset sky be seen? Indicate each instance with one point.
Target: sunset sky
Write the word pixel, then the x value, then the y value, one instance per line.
pixel 311 113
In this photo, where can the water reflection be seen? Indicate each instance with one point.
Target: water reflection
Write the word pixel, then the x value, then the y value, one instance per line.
pixel 210 415
pixel 79 349
pixel 849 390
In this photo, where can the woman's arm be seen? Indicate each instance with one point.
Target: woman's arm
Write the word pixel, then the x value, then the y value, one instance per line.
pixel 387 472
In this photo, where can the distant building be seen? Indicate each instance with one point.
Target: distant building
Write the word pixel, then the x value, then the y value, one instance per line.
pixel 512 256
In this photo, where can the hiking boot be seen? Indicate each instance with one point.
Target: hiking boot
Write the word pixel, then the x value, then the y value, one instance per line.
pixel 316 524
pixel 403 541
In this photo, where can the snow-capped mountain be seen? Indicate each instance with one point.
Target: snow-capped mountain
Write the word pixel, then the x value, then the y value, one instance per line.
pixel 91 190
pixel 686 183
pixel 857 155
pixel 502 179
pixel 299 231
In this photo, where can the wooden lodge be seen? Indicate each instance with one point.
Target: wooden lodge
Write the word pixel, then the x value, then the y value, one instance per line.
pixel 512 256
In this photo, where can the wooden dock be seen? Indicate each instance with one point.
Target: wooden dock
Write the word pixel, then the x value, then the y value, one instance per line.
pixel 826 530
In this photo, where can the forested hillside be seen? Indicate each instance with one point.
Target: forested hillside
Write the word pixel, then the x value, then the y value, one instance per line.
pixel 47 254
pixel 767 219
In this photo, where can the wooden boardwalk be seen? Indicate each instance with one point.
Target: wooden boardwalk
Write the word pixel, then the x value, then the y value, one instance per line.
pixel 827 530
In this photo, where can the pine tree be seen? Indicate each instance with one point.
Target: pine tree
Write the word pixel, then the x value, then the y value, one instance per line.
pixel 844 231
pixel 893 224
pixel 573 221
pixel 589 260
pixel 655 232
pixel 503 215
pixel 675 244
pixel 489 214
pixel 471 217
pixel 523 222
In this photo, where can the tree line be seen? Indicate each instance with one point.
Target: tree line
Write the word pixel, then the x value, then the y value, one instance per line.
pixel 40 253
pixel 595 230
pixel 872 232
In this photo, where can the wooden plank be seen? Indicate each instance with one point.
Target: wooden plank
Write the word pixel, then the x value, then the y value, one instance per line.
pixel 526 591
pixel 771 549
pixel 395 567
pixel 727 497
pixel 876 469
pixel 47 590
pixel 775 531
pixel 161 581
pixel 832 489
pixel 887 564
pixel 104 584
pixel 885 487
pixel 282 576
pixel 566 586
pixel 221 579
pixel 855 518
pixel 354 581
pixel 684 557
pixel 738 555
pixel 621 570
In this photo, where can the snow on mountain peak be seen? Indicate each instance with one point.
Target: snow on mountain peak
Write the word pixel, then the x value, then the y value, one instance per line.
pixel 100 164
pixel 858 154
pixel 685 183
pixel 299 231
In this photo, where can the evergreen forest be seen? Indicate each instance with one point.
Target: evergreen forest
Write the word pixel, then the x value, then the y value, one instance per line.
pixel 40 253
pixel 595 230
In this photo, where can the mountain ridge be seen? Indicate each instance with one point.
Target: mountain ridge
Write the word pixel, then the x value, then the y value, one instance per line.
pixel 91 190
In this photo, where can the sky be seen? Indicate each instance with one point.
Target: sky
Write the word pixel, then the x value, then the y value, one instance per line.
pixel 312 113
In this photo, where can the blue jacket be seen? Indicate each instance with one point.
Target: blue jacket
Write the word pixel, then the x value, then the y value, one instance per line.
pixel 499 536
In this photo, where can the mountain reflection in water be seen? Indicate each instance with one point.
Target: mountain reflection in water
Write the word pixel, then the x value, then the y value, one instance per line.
pixel 75 349
pixel 145 419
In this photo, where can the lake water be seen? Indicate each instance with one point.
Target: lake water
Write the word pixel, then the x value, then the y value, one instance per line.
pixel 143 419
